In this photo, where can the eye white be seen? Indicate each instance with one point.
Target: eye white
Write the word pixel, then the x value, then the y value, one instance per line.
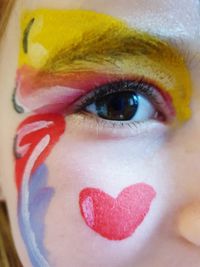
pixel 145 110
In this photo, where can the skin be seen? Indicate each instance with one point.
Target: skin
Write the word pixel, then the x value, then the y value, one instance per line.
pixel 170 162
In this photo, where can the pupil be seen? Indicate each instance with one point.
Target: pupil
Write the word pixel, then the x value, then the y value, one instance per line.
pixel 117 106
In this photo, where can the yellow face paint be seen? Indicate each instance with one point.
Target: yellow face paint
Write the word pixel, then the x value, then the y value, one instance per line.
pixel 65 41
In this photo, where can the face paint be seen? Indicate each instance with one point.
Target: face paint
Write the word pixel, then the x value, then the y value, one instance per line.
pixel 89 50
pixel 116 219
pixel 35 138
pixel 95 49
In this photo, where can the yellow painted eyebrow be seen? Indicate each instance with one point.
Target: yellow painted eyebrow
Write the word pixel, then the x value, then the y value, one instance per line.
pixel 60 41
pixel 70 35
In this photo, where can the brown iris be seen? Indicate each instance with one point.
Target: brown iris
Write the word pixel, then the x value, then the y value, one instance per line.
pixel 117 106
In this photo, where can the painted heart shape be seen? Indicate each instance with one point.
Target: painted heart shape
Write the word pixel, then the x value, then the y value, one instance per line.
pixel 116 218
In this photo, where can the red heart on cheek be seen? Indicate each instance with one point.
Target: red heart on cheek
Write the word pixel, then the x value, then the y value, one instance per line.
pixel 116 218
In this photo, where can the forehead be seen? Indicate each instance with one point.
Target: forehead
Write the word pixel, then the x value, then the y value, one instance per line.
pixel 165 17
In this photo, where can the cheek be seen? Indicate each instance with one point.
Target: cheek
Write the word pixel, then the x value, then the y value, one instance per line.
pixel 110 166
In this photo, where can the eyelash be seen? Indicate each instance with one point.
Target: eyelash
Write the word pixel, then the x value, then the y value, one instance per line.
pixel 146 89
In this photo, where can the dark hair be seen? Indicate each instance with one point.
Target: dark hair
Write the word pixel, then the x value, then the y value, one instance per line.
pixel 8 255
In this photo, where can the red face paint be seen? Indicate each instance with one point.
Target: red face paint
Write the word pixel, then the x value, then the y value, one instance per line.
pixel 116 218
pixel 30 132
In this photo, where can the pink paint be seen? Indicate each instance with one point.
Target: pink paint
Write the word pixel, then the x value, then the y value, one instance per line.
pixel 44 92
pixel 116 218
pixel 31 80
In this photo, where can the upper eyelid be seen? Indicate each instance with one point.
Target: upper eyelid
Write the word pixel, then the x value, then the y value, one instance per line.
pixel 137 85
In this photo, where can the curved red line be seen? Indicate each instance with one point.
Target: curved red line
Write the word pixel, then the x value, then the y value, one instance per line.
pixel 54 130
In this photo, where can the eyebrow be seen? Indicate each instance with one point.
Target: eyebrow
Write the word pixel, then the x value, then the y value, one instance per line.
pixel 111 49
pixel 106 40
pixel 65 47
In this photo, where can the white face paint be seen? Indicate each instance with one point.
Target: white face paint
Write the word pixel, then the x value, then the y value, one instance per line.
pixel 112 159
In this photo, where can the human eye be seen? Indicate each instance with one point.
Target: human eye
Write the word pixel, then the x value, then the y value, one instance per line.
pixel 126 102
pixel 118 78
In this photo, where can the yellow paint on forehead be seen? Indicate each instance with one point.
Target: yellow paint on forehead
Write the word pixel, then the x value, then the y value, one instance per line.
pixel 60 41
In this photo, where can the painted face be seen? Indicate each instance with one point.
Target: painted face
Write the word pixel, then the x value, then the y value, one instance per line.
pixel 103 101
pixel 122 72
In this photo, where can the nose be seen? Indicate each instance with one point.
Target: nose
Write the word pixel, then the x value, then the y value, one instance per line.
pixel 189 223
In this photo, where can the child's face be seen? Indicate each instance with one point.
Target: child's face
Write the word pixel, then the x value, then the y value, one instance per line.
pixel 98 179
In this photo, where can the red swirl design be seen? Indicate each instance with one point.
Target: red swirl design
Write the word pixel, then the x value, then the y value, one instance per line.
pixel 29 134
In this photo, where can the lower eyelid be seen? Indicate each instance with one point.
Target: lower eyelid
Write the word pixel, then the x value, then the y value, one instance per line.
pixel 84 124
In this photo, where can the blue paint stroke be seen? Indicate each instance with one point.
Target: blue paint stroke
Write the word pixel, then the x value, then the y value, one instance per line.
pixel 39 199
